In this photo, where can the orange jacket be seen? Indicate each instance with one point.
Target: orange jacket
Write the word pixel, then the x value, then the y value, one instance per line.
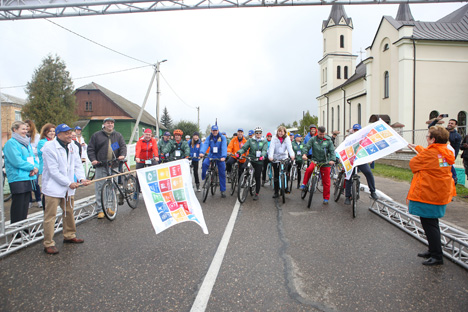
pixel 235 145
pixel 146 149
pixel 432 176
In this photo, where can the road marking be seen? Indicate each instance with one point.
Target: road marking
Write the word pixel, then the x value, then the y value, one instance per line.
pixel 201 301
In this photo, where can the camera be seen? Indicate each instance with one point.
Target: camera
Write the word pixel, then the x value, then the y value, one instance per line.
pixel 444 115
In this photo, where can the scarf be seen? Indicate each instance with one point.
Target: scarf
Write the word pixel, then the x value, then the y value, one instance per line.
pixel 23 140
pixel 110 152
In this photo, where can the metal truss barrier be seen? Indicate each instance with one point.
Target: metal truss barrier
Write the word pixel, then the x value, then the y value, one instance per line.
pixel 21 234
pixel 454 241
pixel 31 9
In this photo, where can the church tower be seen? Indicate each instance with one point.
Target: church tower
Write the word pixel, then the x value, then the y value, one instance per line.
pixel 338 62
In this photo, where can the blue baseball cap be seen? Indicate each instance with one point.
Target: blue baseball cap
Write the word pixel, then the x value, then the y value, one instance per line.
pixel 291 133
pixel 166 134
pixel 77 128
pixel 62 128
pixel 223 133
pixel 214 128
pixel 298 136
pixel 356 127
pixel 251 132
pixel 240 129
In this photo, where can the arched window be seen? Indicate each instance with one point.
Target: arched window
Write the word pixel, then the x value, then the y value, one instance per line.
pixel 433 114
pixel 341 41
pixel 386 47
pixel 461 118
pixel 333 118
pixel 346 72
pixel 359 113
pixel 386 85
pixel 338 115
pixel 338 72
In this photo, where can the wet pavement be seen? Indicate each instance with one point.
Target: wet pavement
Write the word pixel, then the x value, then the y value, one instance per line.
pixel 281 257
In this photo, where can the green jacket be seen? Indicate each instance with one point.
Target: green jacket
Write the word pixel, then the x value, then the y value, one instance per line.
pixel 254 146
pixel 322 150
pixel 297 147
pixel 176 151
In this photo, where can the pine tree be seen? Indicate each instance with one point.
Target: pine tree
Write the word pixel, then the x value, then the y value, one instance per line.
pixel 166 120
pixel 187 127
pixel 50 94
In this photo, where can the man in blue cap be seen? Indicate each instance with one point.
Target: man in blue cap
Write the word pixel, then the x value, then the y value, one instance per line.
pixel 365 169
pixel 251 133
pixel 218 149
pixel 162 144
pixel 62 164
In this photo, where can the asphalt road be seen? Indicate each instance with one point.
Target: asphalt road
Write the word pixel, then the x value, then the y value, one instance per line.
pixel 280 257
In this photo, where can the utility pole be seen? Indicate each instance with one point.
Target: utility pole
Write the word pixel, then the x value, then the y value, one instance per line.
pixel 198 110
pixel 157 96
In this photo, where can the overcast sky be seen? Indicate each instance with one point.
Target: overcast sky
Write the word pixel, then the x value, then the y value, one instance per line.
pixel 247 67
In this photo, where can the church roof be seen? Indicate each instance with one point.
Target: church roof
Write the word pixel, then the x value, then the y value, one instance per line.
pixel 337 16
pixel 129 107
pixel 404 13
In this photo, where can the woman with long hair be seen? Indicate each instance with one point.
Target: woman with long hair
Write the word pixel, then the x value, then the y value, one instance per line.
pixel 34 139
pixel 279 149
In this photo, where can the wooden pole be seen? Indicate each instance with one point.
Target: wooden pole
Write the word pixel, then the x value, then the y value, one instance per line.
pixel 112 176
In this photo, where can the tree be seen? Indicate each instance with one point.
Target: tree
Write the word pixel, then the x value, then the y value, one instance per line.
pixel 306 121
pixel 187 127
pixel 166 120
pixel 50 94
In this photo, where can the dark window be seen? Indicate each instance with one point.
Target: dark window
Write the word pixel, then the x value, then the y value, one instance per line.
pixel 386 47
pixel 386 85
pixel 338 72
pixel 89 107
pixel 346 72
pixel 359 113
pixel 341 41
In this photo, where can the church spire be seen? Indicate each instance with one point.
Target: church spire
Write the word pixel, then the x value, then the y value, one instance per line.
pixel 337 17
pixel 404 13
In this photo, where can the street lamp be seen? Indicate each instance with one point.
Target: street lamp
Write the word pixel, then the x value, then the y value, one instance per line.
pixel 157 96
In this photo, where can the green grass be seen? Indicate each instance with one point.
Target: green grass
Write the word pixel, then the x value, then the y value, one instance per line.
pixel 406 175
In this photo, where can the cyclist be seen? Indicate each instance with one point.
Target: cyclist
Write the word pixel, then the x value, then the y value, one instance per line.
pixel 257 148
pixel 266 160
pixel 216 142
pixel 146 151
pixel 236 143
pixel 194 145
pixel 311 134
pixel 177 148
pixel 323 150
pixel 297 146
pixel 161 144
pixel 365 169
pixel 279 148
pixel 251 133
pixel 291 136
pixel 104 145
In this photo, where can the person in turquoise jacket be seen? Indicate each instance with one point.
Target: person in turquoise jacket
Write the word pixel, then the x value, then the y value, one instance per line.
pixel 218 149
pixel 47 134
pixel 21 169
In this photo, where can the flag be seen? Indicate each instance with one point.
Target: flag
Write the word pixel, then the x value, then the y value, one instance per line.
pixel 169 196
pixel 368 144
pixel 115 146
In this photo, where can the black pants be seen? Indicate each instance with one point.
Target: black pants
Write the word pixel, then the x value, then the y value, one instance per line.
pixel 231 161
pixel 266 161
pixel 365 169
pixel 19 207
pixel 432 230
pixel 299 167
pixel 196 166
pixel 257 174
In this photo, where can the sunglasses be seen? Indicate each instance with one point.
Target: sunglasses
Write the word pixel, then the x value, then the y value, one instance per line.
pixel 258 133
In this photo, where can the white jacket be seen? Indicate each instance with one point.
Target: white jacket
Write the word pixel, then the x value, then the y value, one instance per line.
pixel 278 150
pixel 59 170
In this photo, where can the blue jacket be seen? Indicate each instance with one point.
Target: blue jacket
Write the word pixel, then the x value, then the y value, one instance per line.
pixel 40 145
pixel 195 150
pixel 306 139
pixel 17 166
pixel 219 142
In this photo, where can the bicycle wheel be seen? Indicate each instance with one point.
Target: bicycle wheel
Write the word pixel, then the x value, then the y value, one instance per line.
pixel 242 189
pixel 339 186
pixel 5 197
pixel 305 190
pixel 283 185
pixel 206 186
pixel 109 200
pixel 234 180
pixel 214 182
pixel 354 194
pixel 292 178
pixel 270 174
pixel 91 173
pixel 313 184
pixel 252 184
pixel 132 192
pixel 319 184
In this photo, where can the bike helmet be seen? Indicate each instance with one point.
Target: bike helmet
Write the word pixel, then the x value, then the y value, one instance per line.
pixel 312 126
pixel 178 132
pixel 356 127
pixel 258 129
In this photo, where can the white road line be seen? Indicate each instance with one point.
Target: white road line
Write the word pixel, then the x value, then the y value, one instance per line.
pixel 205 290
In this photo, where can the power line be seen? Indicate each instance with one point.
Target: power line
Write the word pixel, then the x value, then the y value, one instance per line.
pixel 97 43
pixel 177 94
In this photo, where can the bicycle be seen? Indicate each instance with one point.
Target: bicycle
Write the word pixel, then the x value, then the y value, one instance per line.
pixel 339 182
pixel 355 181
pixel 211 178
pixel 292 175
pixel 128 190
pixel 283 177
pixel 311 185
pixel 234 177
pixel 246 181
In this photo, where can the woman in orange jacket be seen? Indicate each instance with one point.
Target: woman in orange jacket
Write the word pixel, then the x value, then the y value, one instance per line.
pixel 432 188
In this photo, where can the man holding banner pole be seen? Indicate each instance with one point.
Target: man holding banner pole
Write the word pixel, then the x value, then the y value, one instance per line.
pixel 105 145
pixel 365 169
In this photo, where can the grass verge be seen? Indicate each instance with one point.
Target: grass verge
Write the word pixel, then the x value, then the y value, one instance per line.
pixel 406 175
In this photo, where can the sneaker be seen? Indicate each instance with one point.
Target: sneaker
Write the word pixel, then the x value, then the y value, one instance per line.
pixel 302 187
pixel 255 197
pixel 325 201
pixel 39 204
pixel 100 215
pixel 110 212
pixel 198 189
pixel 374 196
pixel 347 201
pixel 223 194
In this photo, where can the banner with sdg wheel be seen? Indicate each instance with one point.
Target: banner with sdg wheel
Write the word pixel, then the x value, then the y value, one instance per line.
pixel 368 144
pixel 169 196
